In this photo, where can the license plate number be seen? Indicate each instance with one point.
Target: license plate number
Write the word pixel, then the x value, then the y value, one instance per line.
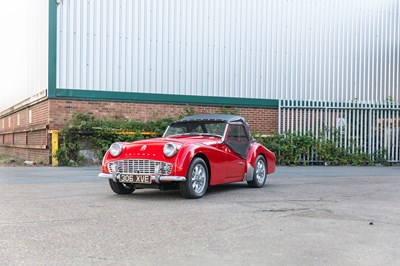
pixel 137 179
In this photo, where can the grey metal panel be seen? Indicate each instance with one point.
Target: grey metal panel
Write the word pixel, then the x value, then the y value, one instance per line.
pixel 326 50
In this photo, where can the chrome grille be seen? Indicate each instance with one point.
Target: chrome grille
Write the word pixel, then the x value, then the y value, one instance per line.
pixel 147 167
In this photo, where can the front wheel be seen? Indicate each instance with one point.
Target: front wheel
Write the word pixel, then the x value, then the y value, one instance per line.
pixel 196 183
pixel 121 188
pixel 260 173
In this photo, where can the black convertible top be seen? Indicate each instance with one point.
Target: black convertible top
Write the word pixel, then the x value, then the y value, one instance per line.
pixel 216 117
pixel 213 117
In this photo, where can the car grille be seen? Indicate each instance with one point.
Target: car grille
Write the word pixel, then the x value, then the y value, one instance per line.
pixel 147 167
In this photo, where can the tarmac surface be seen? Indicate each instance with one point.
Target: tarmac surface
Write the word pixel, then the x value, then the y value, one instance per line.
pixel 303 216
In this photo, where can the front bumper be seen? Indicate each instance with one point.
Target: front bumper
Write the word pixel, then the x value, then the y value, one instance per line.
pixel 156 178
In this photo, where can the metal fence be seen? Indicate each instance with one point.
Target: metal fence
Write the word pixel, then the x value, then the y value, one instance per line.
pixel 360 127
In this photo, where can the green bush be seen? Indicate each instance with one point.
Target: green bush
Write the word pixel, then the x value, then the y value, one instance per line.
pixel 100 133
pixel 291 148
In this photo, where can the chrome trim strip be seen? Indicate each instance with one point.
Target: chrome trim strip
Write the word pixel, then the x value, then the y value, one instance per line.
pixel 172 178
pixel 103 175
pixel 165 131
pixel 153 178
pixel 225 132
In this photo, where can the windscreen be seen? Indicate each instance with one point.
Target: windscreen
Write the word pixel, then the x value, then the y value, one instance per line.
pixel 213 128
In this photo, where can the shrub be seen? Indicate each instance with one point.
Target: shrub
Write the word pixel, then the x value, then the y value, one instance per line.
pixel 100 133
pixel 291 148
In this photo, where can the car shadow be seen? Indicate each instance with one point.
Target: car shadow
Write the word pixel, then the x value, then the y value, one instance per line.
pixel 226 187
pixel 156 194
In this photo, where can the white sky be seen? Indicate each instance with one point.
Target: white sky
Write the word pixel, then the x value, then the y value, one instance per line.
pixel 12 51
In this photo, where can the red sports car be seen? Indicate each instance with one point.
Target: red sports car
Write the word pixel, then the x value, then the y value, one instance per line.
pixel 194 153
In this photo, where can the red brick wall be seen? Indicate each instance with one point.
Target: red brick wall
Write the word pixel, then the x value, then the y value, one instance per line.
pixel 37 156
pixel 26 133
pixel 260 120
pixel 40 117
pixel 55 113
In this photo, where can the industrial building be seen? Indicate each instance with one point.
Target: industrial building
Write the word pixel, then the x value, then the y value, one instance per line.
pixel 284 65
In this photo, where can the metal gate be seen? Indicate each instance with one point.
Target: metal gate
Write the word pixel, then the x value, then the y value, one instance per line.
pixel 368 128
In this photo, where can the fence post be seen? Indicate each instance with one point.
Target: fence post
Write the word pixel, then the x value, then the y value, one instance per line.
pixel 54 147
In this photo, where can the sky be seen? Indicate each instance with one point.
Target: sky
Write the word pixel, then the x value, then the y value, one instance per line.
pixel 19 27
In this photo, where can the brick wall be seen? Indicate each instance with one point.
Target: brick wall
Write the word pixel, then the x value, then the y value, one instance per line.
pixel 37 156
pixel 23 133
pixel 39 116
pixel 260 120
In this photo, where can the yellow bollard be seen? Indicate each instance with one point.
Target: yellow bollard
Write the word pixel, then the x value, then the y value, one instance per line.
pixel 54 147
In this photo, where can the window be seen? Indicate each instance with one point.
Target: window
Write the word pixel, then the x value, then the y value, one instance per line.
pixel 238 140
pixel 214 128
pixel 237 133
pixel 18 120
pixel 30 116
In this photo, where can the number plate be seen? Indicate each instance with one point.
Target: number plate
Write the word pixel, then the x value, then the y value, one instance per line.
pixel 137 179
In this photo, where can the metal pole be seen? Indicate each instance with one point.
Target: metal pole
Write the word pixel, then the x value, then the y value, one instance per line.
pixel 54 147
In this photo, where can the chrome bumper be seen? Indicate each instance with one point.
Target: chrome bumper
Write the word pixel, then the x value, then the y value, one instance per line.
pixel 157 178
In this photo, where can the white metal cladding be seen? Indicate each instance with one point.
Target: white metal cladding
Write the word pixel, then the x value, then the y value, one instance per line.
pixel 23 52
pixel 328 50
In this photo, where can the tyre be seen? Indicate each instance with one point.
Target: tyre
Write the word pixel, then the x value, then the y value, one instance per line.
pixel 260 173
pixel 196 183
pixel 121 188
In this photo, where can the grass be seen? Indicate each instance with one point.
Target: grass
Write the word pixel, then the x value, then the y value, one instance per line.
pixel 7 160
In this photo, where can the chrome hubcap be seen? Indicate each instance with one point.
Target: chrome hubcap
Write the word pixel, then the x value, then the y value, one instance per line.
pixel 199 178
pixel 260 171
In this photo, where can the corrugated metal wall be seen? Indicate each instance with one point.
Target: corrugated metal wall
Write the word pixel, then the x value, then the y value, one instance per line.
pixel 328 50
pixel 350 77
pixel 23 53
pixel 333 64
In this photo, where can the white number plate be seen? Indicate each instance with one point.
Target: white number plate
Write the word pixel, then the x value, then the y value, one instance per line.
pixel 137 179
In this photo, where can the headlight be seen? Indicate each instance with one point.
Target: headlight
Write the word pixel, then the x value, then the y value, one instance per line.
pixel 115 149
pixel 170 149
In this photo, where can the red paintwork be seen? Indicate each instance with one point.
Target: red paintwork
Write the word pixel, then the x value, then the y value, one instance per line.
pixel 223 163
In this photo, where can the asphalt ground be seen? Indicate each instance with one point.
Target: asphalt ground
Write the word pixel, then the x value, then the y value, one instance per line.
pixel 303 216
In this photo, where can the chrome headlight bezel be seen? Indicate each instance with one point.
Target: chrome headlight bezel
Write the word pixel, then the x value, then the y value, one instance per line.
pixel 170 150
pixel 116 149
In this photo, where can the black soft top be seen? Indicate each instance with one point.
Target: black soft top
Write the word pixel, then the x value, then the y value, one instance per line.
pixel 218 118
pixel 213 117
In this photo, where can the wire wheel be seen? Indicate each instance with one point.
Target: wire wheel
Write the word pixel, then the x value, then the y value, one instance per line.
pixel 260 173
pixel 199 178
pixel 196 183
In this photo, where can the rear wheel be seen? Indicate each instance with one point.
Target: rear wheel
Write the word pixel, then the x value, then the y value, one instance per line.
pixel 260 173
pixel 196 183
pixel 121 188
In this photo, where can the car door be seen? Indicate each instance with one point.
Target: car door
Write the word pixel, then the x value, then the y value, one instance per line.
pixel 237 145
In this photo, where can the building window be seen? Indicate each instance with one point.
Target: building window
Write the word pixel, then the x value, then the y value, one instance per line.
pixel 9 121
pixel 18 120
pixel 30 116
pixel 2 123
